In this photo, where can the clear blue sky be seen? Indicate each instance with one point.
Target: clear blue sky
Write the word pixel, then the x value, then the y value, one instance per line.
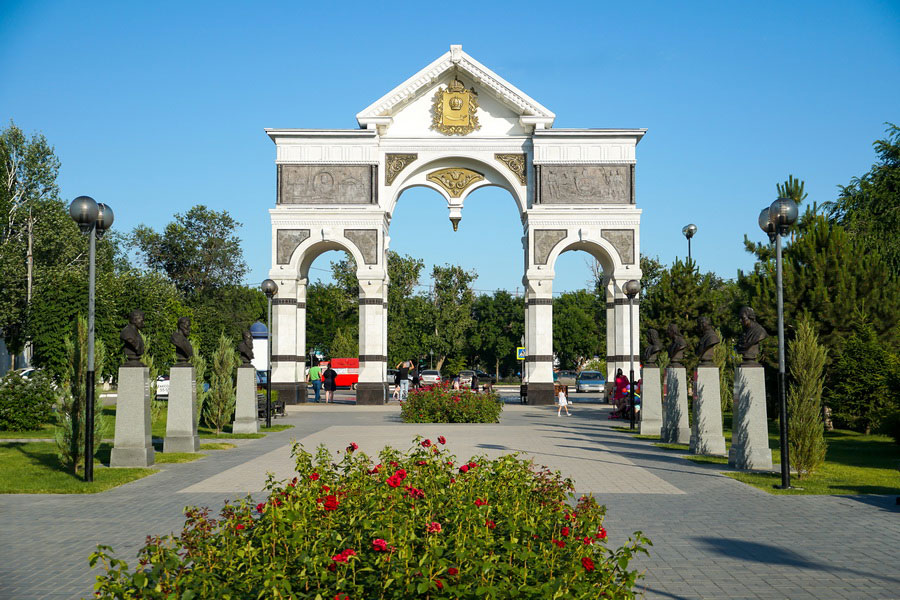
pixel 155 107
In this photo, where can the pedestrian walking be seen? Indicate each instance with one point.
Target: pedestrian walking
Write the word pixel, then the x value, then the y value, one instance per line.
pixel 474 382
pixel 415 377
pixel 314 375
pixel 403 373
pixel 396 394
pixel 563 403
pixel 329 382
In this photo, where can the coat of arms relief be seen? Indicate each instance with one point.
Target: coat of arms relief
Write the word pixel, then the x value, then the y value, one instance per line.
pixel 454 109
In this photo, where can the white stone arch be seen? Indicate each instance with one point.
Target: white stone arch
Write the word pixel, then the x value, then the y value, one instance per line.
pixel 307 252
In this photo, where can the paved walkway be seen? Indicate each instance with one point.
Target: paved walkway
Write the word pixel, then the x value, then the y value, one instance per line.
pixel 713 537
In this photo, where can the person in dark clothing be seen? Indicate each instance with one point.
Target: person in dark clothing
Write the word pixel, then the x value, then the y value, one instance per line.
pixel 415 378
pixel 403 372
pixel 474 382
pixel 329 383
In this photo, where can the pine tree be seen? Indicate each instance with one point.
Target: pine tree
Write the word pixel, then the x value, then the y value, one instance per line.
pixel 343 345
pixel 807 432
pixel 219 405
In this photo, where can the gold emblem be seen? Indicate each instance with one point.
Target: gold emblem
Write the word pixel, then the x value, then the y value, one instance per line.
pixel 455 181
pixel 454 109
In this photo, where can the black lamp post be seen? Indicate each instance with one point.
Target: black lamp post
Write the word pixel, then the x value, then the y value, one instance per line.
pixel 689 231
pixel 269 288
pixel 631 289
pixel 776 221
pixel 93 219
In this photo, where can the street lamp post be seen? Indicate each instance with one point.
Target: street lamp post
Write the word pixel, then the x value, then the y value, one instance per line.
pixel 269 288
pixel 631 289
pixel 776 221
pixel 689 231
pixel 93 219
pixel 431 360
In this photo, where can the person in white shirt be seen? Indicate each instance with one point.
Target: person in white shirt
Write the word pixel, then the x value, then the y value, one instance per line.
pixel 563 404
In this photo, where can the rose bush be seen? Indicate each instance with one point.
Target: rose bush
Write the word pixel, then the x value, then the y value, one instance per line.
pixel 416 524
pixel 440 404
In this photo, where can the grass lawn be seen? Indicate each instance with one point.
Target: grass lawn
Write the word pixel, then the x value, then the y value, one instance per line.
pixel 32 468
pixel 158 429
pixel 46 431
pixel 217 446
pixel 855 463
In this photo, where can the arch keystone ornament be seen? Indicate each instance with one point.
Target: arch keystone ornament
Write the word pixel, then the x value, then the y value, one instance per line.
pixel 455 181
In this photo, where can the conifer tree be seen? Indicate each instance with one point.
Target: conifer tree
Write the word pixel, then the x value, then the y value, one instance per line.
pixel 219 405
pixel 807 433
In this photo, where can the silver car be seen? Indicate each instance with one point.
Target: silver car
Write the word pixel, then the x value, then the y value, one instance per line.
pixel 590 381
pixel 430 377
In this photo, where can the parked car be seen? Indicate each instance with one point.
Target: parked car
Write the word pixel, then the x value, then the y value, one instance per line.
pixel 390 375
pixel 566 377
pixel 590 381
pixel 429 377
pixel 162 387
pixel 465 378
pixel 484 377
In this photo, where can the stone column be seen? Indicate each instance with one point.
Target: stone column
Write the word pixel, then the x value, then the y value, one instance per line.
pixel 372 359
pixel 284 341
pixel 611 364
pixel 750 433
pixel 246 412
pixel 133 446
pixel 181 418
pixel 706 430
pixel 539 344
pixel 675 429
pixel 302 355
pixel 651 401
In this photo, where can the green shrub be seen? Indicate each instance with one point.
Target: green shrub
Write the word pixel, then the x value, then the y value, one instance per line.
pixel 26 404
pixel 440 404
pixel 891 426
pixel 417 525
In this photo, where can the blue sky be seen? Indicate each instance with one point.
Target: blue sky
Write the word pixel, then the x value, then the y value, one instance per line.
pixel 155 107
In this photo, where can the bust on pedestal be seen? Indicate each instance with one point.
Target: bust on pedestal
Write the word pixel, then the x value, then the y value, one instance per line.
pixel 181 420
pixel 706 430
pixel 750 432
pixel 675 429
pixel 133 446
pixel 651 392
pixel 245 407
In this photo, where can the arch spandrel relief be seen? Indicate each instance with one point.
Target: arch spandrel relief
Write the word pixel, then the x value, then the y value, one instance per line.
pixel 623 241
pixel 327 184
pixel 544 242
pixel 367 242
pixel 286 241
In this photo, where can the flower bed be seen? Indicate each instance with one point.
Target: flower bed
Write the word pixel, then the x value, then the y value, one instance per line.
pixel 416 524
pixel 440 404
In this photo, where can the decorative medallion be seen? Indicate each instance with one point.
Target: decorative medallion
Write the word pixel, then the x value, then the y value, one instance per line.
pixel 515 163
pixel 454 109
pixel 394 163
pixel 455 181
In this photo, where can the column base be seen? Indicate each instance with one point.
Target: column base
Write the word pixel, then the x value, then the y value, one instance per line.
pixel 181 443
pixel 370 393
pixel 541 394
pixel 290 392
pixel 131 457
pixel 245 426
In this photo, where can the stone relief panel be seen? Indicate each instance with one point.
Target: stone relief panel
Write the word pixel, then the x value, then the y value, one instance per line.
pixel 286 241
pixel 585 184
pixel 367 242
pixel 544 241
pixel 326 184
pixel 623 241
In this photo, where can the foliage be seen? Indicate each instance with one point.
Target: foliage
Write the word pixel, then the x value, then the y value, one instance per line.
pixel 409 314
pixel 452 298
pixel 498 326
pixel 343 345
pixel 26 404
pixel 441 404
pixel 891 425
pixel 859 386
pixel 595 364
pixel 72 416
pixel 576 329
pixel 199 250
pixel 726 359
pixel 807 431
pixel 219 404
pixel 330 306
pixel 158 408
pixel 415 525
pixel 231 309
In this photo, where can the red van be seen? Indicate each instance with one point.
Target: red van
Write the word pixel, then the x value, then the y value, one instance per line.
pixel 347 371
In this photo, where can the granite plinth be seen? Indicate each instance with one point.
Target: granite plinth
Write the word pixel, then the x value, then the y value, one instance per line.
pixel 706 430
pixel 651 402
pixel 245 407
pixel 133 444
pixel 541 394
pixel 750 431
pixel 371 393
pixel 181 416
pixel 675 428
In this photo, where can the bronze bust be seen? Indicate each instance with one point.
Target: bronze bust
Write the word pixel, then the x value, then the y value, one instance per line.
pixel 676 348
pixel 748 344
pixel 709 339
pixel 132 342
pixel 245 348
pixel 184 352
pixel 653 349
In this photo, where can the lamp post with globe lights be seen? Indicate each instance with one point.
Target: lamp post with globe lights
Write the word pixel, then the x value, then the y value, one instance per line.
pixel 94 219
pixel 631 289
pixel 689 231
pixel 776 221
pixel 269 288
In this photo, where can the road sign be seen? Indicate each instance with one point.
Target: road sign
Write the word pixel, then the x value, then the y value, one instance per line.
pixel 520 353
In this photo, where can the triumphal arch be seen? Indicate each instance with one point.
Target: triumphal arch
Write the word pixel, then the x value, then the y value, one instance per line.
pixel 454 127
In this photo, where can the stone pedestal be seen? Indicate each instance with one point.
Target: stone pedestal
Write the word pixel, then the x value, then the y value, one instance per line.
pixel 133 446
pixel 651 402
pixel 245 408
pixel 675 428
pixel 750 432
pixel 542 394
pixel 181 418
pixel 706 431
pixel 369 393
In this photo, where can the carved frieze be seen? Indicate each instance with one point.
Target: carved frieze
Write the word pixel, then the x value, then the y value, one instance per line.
pixel 623 241
pixel 286 241
pixel 516 164
pixel 544 242
pixel 326 184
pixel 367 242
pixel 394 163
pixel 455 181
pixel 584 184
pixel 453 110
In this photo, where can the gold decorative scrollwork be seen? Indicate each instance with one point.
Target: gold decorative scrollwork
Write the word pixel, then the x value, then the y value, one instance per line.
pixel 516 163
pixel 394 163
pixel 455 181
pixel 454 109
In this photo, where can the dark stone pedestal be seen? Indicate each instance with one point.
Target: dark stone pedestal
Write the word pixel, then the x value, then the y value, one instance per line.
pixel 289 392
pixel 370 393
pixel 541 394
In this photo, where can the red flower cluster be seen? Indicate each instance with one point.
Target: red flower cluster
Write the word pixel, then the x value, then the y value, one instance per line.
pixel 442 440
pixel 452 571
pixel 314 476
pixel 413 492
pixel 588 541
pixel 353 446
pixel 426 443
pixel 480 502
pixel 374 469
pixel 344 556
pixel 464 469
pixel 397 478
pixel 559 543
pixel 490 524
pixel 434 527
pixel 379 545
pixel 601 533
pixel 439 584
pixel 341 597
pixel 565 531
pixel 588 564
pixel 260 507
pixel 239 526
pixel 330 502
pixel 421 463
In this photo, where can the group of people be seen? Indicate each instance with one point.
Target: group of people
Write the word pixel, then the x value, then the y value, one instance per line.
pixel 406 374
pixel 622 396
pixel 322 378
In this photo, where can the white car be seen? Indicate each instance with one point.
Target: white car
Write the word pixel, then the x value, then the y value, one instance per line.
pixel 162 387
pixel 430 377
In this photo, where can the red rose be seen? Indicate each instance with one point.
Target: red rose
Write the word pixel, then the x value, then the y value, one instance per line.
pixel 442 440
pixel 452 571
pixel 379 545
pixel 480 502
pixel 490 524
pixel 341 597
pixel 393 463
pixel 314 476
pixel 435 450
pixel 473 464
pixel 331 502
pixel 449 463
pixel 464 469
pixel 588 540
pixel 434 527
pixel 349 552
pixel 239 526
pixel 440 585
pixel 565 531
pixel 426 443
pixel 375 469
pixel 260 507
pixel 339 558
pixel 353 446
pixel 559 543
pixel 452 480
pixel 587 563
pixel 325 488
pixel 421 463
pixel 601 533
pixel 401 473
